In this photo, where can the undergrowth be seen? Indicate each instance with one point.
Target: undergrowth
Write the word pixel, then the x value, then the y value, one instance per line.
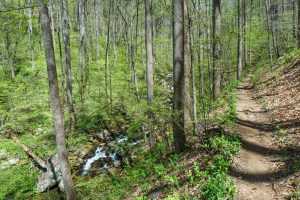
pixel 208 174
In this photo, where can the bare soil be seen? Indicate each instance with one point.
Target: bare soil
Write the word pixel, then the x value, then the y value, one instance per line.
pixel 261 169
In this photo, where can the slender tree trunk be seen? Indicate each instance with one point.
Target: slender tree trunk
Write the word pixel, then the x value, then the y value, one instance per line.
pixel 274 20
pixel 149 50
pixel 201 80
pixel 68 66
pixel 217 48
pixel 244 20
pixel 134 54
pixel 97 28
pixel 58 31
pixel 294 18
pixel 240 42
pixel 10 55
pixel 82 41
pixel 194 102
pixel 50 7
pixel 187 70
pixel 269 32
pixel 30 32
pixel 106 50
pixel 55 104
pixel 250 33
pixel 298 30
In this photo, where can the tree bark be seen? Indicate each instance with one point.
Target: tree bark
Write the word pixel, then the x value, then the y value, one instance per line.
pixel 269 32
pixel 9 54
pixel 30 32
pixel 40 163
pixel 82 45
pixel 55 103
pixel 178 74
pixel 298 29
pixel 149 50
pixel 134 47
pixel 187 70
pixel 68 66
pixel 97 28
pixel 216 48
pixel 244 20
pixel 106 50
pixel 50 7
pixel 240 42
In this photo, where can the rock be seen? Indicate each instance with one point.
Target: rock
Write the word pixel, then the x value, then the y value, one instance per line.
pixel 38 131
pixel 4 155
pixel 61 186
pixel 51 177
pixel 103 136
pixel 113 170
pixel 9 163
pixel 117 163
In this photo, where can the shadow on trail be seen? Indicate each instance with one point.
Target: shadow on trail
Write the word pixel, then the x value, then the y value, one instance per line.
pixel 258 126
pixel 287 155
pixel 261 177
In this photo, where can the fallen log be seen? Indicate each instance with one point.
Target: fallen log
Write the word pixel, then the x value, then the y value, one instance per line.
pixel 40 163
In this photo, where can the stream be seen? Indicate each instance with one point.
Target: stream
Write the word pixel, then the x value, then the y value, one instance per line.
pixel 105 156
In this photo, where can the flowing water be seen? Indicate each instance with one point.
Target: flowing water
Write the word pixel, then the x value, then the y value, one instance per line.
pixel 104 157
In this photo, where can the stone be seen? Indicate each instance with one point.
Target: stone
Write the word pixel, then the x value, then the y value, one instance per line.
pixel 103 136
pixel 38 131
pixel 51 178
pixel 61 185
pixel 117 163
pixel 9 163
pixel 4 155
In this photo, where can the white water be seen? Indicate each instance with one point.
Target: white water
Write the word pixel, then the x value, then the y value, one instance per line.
pixel 102 153
pixel 99 153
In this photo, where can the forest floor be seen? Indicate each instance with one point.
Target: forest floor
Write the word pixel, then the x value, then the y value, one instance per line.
pixel 262 170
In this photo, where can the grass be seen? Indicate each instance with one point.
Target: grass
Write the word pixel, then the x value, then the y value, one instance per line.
pixel 208 173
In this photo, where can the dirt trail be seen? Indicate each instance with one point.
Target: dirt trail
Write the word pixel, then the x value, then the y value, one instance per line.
pixel 256 169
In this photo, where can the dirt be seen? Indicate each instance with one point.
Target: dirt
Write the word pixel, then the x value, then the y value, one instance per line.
pixel 260 168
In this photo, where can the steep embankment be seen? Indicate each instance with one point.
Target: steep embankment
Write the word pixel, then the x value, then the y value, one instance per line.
pixel 268 124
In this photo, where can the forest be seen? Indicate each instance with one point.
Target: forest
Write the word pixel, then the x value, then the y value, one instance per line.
pixel 149 99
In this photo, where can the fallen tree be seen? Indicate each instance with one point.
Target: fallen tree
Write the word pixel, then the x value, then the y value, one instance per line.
pixel 40 163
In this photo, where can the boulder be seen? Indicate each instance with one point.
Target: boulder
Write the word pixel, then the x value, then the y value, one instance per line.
pixel 52 177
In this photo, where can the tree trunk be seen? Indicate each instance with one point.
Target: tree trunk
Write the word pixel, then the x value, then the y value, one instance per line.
pixel 50 7
pixel 149 50
pixel 9 54
pixel 294 18
pixel 216 48
pixel 97 28
pixel 40 163
pixel 178 73
pixel 240 42
pixel 250 33
pixel 244 20
pixel 134 47
pixel 31 41
pixel 82 45
pixel 298 29
pixel 269 32
pixel 55 103
pixel 58 31
pixel 68 66
pixel 274 20
pixel 187 70
pixel 106 50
